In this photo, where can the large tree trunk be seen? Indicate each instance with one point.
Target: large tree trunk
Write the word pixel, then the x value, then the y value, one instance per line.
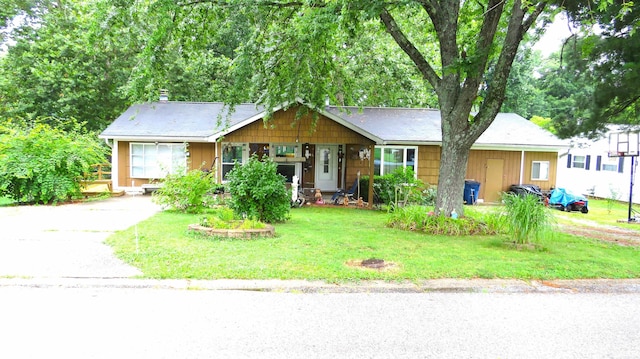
pixel 453 166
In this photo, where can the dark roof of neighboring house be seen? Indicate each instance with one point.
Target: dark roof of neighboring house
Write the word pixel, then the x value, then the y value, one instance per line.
pixel 198 121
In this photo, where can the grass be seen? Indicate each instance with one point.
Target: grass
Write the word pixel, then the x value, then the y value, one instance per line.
pixel 318 242
pixel 603 212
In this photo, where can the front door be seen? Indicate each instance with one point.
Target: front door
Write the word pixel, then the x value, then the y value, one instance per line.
pixel 327 167
pixel 493 182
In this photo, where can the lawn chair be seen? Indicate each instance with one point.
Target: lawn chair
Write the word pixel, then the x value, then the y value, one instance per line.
pixel 349 196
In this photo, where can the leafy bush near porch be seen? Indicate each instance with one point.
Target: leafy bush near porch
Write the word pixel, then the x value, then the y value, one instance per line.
pixel 42 164
pixel 397 186
pixel 190 193
pixel 258 191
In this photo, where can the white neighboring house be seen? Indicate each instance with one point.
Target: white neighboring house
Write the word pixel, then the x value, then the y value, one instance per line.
pixel 587 169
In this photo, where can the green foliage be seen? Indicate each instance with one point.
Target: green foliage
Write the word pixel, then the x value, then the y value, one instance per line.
pixel 191 192
pixel 401 187
pixel 421 218
pixel 44 164
pixel 525 217
pixel 258 191
pixel 225 218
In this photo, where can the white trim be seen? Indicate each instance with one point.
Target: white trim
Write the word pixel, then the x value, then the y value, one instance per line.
pixel 164 139
pixel 114 165
pixel 522 167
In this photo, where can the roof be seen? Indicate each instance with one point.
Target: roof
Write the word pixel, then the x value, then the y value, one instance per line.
pixel 206 121
pixel 422 126
pixel 196 121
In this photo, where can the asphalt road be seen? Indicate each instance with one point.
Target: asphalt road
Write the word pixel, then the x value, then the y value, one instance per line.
pixel 159 323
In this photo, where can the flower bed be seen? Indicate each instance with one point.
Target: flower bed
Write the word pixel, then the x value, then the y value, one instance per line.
pixel 267 231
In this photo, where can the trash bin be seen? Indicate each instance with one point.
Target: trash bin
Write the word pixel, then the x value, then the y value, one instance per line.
pixel 471 190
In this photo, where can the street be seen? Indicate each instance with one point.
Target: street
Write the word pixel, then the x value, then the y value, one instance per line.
pixel 177 323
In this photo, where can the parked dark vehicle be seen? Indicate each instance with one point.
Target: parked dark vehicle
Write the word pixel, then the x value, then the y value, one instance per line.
pixel 525 189
pixel 566 201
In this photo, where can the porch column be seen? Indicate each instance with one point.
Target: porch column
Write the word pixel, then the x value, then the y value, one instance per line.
pixel 371 173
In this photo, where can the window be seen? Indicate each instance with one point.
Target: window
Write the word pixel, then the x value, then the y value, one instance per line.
pixel 610 164
pixel 281 153
pixel 578 162
pixel 540 171
pixel 151 160
pixel 232 153
pixel 389 158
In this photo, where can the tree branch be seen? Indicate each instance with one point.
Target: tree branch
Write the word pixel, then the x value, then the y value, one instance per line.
pixel 414 54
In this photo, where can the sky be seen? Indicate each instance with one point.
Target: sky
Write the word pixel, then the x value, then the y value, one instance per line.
pixel 554 36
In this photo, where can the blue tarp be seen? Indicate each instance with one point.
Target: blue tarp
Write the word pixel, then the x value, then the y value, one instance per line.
pixel 565 198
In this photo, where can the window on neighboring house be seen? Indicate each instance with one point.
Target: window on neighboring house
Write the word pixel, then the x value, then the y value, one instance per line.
pixel 540 171
pixel 232 153
pixel 151 160
pixel 610 164
pixel 578 162
pixel 389 158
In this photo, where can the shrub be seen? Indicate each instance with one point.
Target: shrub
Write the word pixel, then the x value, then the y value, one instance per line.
pixel 398 186
pixel 525 217
pixel 191 192
pixel 44 164
pixel 258 191
pixel 421 218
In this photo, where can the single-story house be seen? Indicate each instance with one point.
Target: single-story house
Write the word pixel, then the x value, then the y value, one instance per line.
pixel 588 169
pixel 152 139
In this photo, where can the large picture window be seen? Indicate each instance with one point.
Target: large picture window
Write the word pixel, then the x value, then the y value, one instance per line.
pixel 540 171
pixel 151 160
pixel 389 158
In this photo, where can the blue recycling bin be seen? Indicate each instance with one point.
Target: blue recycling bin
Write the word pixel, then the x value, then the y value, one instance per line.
pixel 471 190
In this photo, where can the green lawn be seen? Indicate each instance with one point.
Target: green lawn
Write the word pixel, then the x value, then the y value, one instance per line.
pixel 318 242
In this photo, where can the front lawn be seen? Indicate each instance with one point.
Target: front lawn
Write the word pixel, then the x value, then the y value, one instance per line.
pixel 320 242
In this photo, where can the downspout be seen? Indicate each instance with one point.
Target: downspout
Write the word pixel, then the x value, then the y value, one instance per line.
pixel 521 167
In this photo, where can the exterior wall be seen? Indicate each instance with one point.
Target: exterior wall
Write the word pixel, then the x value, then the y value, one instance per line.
pixel 284 128
pixel 477 168
pixel 594 181
pixel 429 164
pixel 201 156
pixel 552 157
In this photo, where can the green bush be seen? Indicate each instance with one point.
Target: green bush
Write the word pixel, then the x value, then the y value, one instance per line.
pixel 191 192
pixel 422 218
pixel 397 186
pixel 525 217
pixel 258 191
pixel 41 164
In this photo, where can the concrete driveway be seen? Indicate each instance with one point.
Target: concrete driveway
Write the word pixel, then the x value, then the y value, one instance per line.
pixel 68 240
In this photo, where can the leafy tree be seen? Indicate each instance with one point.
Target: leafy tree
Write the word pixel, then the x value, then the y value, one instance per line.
pixel 306 49
pixel 608 63
pixel 44 164
pixel 258 191
pixel 58 70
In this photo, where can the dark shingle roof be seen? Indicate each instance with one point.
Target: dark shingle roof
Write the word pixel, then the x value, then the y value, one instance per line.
pixel 416 125
pixel 177 120
pixel 201 121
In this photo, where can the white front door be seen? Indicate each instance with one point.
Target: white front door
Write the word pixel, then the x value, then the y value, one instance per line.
pixel 327 167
